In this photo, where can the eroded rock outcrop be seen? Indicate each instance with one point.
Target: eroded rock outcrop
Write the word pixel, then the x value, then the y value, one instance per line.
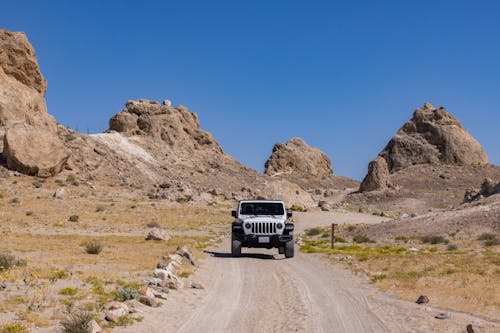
pixel 298 158
pixel 175 126
pixel 377 177
pixel 432 136
pixel 31 144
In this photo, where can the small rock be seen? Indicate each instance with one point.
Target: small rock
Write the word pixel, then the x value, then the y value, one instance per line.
pixel 183 251
pixel 94 327
pixel 61 193
pixel 145 291
pixel 167 102
pixel 111 306
pixel 159 294
pixel 196 285
pixel 111 318
pixel 470 329
pixel 149 301
pixel 444 315
pixel 404 216
pixel 158 234
pixel 423 299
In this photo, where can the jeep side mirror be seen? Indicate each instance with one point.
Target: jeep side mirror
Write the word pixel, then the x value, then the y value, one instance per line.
pixel 289 213
pixel 233 213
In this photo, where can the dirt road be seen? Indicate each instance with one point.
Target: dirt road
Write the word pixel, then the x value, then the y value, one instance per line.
pixel 263 292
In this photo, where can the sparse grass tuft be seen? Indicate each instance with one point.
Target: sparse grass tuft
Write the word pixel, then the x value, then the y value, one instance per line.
pixel 93 247
pixel 70 178
pixel 340 240
pixel 378 277
pixel 79 322
pixel 362 239
pixel 185 274
pixel 313 232
pixel 68 291
pixel 297 208
pixel 14 328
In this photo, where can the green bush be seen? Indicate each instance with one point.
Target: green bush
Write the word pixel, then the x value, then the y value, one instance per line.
pixel 73 218
pixel 68 291
pixel 126 293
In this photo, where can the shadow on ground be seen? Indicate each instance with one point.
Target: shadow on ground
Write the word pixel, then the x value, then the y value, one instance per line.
pixel 243 255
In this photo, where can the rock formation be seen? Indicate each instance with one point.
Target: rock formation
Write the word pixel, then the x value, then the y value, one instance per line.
pixel 302 164
pixel 297 157
pixel 432 136
pixel 377 177
pixel 31 144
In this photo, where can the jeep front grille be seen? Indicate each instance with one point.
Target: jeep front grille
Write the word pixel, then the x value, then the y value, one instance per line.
pixel 263 228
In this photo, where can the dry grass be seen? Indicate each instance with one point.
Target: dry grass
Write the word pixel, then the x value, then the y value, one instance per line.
pixel 55 251
pixel 466 280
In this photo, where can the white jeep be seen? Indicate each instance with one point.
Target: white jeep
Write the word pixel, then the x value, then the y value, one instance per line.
pixel 262 224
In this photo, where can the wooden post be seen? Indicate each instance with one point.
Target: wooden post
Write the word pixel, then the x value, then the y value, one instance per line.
pixel 332 243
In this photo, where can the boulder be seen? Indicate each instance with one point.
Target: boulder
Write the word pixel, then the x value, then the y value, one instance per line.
pixel 34 151
pixel 61 193
pixel 377 177
pixel 149 301
pixel 31 144
pixel 184 252
pixel 422 299
pixel 158 234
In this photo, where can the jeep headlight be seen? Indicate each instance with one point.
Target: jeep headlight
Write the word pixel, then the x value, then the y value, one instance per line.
pixel 248 225
pixel 279 226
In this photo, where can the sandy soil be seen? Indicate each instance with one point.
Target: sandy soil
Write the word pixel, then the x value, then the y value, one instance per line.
pixel 263 292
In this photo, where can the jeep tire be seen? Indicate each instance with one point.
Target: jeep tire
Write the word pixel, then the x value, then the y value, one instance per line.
pixel 235 247
pixel 289 249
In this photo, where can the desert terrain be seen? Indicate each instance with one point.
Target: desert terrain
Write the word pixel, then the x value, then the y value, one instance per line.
pixel 128 230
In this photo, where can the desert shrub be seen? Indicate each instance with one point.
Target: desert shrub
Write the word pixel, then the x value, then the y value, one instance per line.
pixel 14 328
pixel 133 206
pixel 70 178
pixel 487 236
pixel 351 228
pixel 313 232
pixel 434 239
pixel 68 291
pixel 402 238
pixel 100 209
pixel 58 182
pixel 29 213
pixel 15 200
pixel 378 277
pixel 37 184
pixel 126 293
pixel 492 242
pixel 79 322
pixel 75 183
pixel 73 218
pixel 69 137
pixel 93 247
pixel 7 261
pixel 340 240
pixel 57 274
pixel 361 239
pixel 452 247
pixel 185 274
pixel 153 224
pixel 297 208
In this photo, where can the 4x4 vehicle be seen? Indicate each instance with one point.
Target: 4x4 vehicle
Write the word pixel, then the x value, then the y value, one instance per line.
pixel 262 224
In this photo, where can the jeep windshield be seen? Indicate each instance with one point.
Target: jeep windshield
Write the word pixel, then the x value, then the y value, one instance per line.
pixel 262 208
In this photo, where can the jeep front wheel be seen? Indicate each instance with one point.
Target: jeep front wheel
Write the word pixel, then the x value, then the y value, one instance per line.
pixel 289 249
pixel 235 247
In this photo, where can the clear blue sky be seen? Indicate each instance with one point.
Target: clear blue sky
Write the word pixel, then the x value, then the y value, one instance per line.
pixel 343 75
